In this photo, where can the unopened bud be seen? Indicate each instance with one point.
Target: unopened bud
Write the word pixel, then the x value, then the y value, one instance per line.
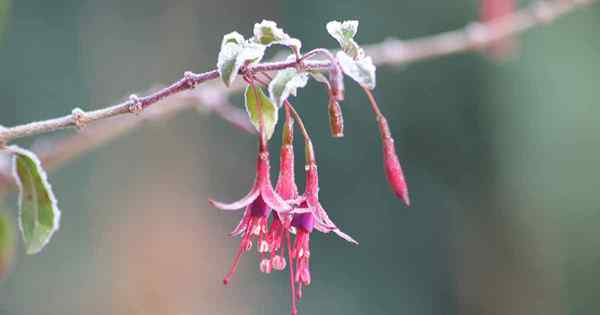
pixel 336 120
pixel 391 164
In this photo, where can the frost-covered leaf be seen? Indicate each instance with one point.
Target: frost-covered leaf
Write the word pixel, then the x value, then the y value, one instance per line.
pixel 267 33
pixel 7 242
pixel 344 33
pixel 362 70
pixel 268 109
pixel 39 215
pixel 286 83
pixel 233 37
pixel 235 52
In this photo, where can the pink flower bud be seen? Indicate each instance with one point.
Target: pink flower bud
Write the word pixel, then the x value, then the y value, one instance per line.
pixel 391 164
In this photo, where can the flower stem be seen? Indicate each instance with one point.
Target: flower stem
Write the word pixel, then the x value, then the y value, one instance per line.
pixel 308 146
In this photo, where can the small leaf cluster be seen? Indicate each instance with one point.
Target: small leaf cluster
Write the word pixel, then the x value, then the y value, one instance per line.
pixel 237 52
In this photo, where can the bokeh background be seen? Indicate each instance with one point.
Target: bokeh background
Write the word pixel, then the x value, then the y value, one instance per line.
pixel 501 158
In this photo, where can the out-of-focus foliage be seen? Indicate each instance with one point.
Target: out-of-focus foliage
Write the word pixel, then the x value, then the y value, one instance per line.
pixel 7 243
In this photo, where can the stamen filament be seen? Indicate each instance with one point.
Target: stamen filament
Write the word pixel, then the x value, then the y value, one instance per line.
pixel 292 284
pixel 237 257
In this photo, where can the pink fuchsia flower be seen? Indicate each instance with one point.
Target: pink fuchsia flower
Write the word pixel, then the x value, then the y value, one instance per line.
pixel 311 198
pixel 258 204
pixel 308 216
pixel 287 189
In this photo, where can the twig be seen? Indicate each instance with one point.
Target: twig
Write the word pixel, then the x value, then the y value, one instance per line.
pixel 391 52
pixel 474 36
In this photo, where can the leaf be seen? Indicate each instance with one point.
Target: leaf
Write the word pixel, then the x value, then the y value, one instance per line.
pixel 362 70
pixel 267 33
pixel 235 52
pixel 344 33
pixel 233 37
pixel 7 243
pixel 286 83
pixel 39 215
pixel 269 111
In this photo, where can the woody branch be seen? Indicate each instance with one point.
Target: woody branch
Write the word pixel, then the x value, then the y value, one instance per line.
pixel 390 52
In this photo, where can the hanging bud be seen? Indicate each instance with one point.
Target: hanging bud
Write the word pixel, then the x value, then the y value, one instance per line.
pixel 336 120
pixel 393 170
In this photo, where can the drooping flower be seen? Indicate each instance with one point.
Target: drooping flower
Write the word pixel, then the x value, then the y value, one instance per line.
pixel 258 204
pixel 308 216
pixel 287 189
pixel 311 199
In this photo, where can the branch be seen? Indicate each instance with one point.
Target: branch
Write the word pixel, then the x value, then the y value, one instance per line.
pixel 473 37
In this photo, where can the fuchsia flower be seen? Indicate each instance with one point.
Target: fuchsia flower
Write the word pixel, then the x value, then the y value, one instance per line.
pixel 308 216
pixel 258 204
pixel 286 188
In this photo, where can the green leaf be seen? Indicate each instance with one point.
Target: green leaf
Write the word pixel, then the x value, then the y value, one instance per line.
pixel 361 71
pixel 267 33
pixel 286 83
pixel 39 215
pixel 269 111
pixel 7 242
pixel 234 53
pixel 344 33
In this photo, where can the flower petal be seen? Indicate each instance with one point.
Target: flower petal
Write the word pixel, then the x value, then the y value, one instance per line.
pixel 324 224
pixel 246 200
pixel 241 227
pixel 345 236
pixel 273 200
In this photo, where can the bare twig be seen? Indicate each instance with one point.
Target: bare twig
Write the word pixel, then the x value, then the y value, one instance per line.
pixel 391 52
pixel 474 36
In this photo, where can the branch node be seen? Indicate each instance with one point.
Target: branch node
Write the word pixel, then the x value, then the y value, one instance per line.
pixel 190 79
pixel 136 104
pixel 80 118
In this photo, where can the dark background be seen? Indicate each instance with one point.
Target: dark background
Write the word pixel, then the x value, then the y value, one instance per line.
pixel 501 160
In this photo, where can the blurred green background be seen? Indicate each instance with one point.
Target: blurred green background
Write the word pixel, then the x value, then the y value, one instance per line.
pixel 502 163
